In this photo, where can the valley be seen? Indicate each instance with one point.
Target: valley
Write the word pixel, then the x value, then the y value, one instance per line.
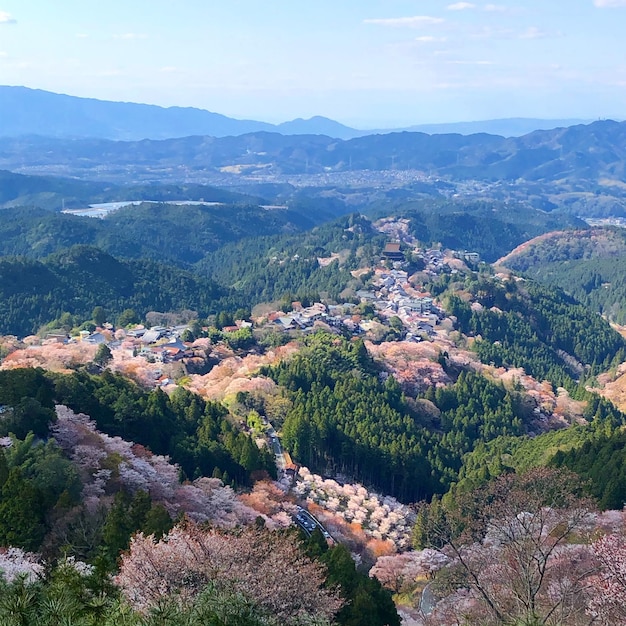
pixel 421 323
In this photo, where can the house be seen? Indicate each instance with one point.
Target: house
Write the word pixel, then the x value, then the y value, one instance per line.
pixel 399 275
pixel 96 338
pixel 152 335
pixel 176 343
pixel 392 252
pixel 365 295
pixel 58 336
pixel 417 305
pixel 312 313
pixel 287 322
pixel 291 470
pixel 425 327
pixel 472 257
pixel 170 352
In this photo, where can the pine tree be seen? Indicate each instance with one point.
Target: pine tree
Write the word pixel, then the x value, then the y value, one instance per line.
pixel 21 514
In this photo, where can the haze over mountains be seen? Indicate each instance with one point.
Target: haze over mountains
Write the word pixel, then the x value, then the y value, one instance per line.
pixel 576 168
pixel 25 111
pixel 578 152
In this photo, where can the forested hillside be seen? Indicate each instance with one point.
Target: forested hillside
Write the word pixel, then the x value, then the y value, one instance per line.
pixel 590 265
pixel 489 228
pixel 345 420
pixel 163 232
pixel 523 324
pixel 423 379
pixel 34 293
pixel 80 488
pixel 54 193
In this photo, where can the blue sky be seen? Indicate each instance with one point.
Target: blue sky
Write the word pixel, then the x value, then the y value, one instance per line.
pixel 368 63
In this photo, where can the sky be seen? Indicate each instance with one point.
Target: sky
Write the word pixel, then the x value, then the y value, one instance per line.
pixel 366 63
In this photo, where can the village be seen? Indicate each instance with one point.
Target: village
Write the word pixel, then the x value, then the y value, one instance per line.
pixel 391 306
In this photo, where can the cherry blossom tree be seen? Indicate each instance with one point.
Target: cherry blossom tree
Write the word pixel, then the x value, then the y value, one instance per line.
pixel 399 571
pixel 15 562
pixel 608 602
pixel 267 567
pixel 510 548
pixel 94 453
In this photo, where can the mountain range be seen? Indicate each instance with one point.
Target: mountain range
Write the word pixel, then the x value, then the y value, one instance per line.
pixel 25 111
pixel 594 152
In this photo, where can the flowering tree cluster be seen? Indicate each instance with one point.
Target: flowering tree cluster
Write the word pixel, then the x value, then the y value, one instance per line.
pixel 107 463
pixel 267 567
pixel 236 373
pixel 398 572
pixel 380 517
pixel 271 501
pixel 414 365
pixel 52 356
pixel 15 563
pixel 511 549
pixel 608 601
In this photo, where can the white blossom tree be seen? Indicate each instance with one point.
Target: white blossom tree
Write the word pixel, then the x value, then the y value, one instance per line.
pixel 267 567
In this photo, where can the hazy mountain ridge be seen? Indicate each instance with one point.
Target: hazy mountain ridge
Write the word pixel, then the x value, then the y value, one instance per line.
pixel 25 111
pixel 595 153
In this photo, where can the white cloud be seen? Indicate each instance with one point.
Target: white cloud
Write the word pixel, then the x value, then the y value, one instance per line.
pixel 609 4
pixel 460 6
pixel 82 36
pixel 130 36
pixel 410 22
pixel 3 54
pixel 470 62
pixel 7 18
pixel 429 39
pixel 532 32
pixel 487 32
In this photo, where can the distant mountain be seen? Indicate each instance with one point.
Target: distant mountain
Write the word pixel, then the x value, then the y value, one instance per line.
pixel 595 153
pixel 320 126
pixel 25 111
pixel 508 127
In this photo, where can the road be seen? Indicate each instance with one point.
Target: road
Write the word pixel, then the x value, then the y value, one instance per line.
pixel 308 522
pixel 274 442
pixel 302 517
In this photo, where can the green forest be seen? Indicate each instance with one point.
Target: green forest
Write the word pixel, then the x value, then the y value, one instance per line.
pixel 74 281
pixel 524 324
pixel 343 419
